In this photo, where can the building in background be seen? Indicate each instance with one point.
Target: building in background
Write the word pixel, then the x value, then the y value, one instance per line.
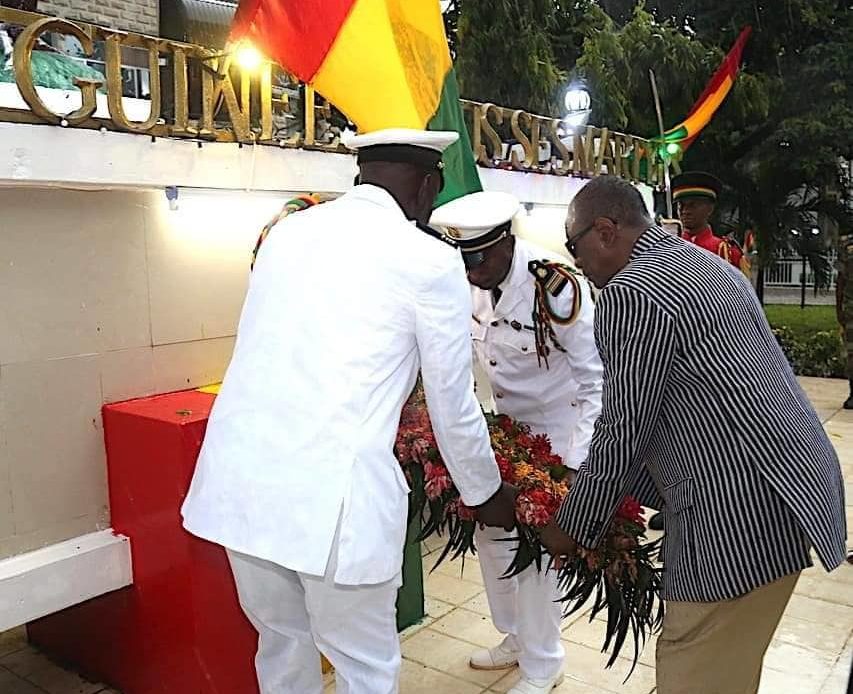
pixel 140 16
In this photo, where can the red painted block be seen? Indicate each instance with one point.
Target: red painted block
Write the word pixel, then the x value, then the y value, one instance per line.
pixel 179 628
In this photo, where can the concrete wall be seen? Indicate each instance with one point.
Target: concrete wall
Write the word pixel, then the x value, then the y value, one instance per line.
pixel 141 16
pixel 106 296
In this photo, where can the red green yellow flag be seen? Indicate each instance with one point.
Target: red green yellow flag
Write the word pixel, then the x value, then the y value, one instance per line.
pixel 712 98
pixel 383 63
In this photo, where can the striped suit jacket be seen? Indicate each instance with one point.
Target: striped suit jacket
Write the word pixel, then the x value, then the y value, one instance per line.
pixel 703 417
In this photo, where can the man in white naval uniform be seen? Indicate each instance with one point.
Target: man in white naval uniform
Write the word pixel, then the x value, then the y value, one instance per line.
pixel 297 477
pixel 551 383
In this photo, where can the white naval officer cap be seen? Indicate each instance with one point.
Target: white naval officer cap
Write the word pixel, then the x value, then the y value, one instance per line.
pixel 422 148
pixel 436 140
pixel 476 222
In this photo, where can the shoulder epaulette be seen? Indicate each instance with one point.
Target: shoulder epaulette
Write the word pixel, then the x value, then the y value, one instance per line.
pixel 553 275
pixel 551 278
pixel 436 234
pixel 298 203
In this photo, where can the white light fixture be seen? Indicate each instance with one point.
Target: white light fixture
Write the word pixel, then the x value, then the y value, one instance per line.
pixel 248 57
pixel 815 231
pixel 578 104
pixel 172 197
pixel 577 98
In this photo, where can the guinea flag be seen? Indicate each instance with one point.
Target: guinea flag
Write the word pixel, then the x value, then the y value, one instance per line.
pixel 383 63
pixel 712 98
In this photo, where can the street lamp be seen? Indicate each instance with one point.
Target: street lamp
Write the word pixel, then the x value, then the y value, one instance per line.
pixel 577 102
pixel 248 57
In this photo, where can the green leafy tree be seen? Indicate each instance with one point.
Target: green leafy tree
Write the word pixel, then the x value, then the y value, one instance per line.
pixel 786 126
pixel 504 53
pixel 784 129
pixel 574 21
pixel 787 170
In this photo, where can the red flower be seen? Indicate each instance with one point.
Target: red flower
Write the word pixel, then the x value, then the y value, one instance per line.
pixel 505 467
pixel 526 441
pixel 541 446
pixel 423 448
pixel 506 424
pixel 437 480
pixel 536 507
pixel 436 486
pixel 631 510
pixel 433 470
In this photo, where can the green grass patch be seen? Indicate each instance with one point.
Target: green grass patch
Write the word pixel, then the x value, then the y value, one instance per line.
pixel 803 322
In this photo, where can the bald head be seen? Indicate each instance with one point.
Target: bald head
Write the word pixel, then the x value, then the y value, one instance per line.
pixel 605 220
pixel 610 196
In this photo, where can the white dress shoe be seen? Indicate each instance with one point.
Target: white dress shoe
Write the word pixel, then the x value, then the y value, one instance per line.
pixel 501 657
pixel 528 686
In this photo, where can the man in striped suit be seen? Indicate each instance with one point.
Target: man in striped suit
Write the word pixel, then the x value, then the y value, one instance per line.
pixel 743 506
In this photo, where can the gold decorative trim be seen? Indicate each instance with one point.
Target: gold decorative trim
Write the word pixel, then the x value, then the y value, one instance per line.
pixel 238 106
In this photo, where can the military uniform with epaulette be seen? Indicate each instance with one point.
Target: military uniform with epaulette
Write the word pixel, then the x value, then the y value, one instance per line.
pixel 533 339
pixel 703 186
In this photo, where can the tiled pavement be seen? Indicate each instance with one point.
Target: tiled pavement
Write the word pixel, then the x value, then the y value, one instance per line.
pixel 810 653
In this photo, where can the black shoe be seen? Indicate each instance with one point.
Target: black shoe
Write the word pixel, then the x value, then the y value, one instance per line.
pixel 848 403
pixel 656 522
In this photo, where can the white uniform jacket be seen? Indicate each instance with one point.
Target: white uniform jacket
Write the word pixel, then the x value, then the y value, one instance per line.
pixel 346 302
pixel 563 400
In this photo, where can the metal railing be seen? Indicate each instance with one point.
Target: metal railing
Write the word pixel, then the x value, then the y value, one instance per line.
pixel 788 272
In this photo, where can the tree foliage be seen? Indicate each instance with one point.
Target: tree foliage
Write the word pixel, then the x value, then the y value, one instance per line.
pixel 504 53
pixel 781 140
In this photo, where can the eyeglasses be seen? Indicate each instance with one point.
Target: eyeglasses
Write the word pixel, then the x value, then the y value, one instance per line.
pixel 572 243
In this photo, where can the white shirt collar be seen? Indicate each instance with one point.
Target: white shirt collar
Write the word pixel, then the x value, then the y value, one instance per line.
pixel 518 274
pixel 376 195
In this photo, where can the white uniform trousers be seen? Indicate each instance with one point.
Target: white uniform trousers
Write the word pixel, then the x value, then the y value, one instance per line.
pixel 523 607
pixel 299 616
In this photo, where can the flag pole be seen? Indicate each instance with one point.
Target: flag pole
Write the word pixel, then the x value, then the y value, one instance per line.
pixel 664 157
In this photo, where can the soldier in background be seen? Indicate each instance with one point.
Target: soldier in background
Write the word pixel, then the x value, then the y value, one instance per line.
pixel 696 193
pixel 844 305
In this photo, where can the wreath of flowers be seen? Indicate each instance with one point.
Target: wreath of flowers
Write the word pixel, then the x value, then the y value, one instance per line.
pixel 621 575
